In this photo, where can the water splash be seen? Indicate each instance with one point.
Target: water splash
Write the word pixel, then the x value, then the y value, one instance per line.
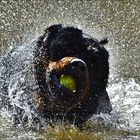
pixel 125 98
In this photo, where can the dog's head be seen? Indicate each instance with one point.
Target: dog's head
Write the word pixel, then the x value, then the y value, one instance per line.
pixel 69 67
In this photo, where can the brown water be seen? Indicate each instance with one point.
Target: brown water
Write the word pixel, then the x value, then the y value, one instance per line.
pixel 21 21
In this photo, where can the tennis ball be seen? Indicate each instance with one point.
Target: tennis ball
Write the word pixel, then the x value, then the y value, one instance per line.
pixel 68 81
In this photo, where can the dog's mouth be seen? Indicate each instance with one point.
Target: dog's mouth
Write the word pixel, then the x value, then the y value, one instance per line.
pixel 68 84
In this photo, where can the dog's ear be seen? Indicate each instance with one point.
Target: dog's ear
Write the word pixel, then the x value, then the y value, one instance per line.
pixel 93 43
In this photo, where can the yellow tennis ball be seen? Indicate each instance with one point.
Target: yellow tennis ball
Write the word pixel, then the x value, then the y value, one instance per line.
pixel 68 81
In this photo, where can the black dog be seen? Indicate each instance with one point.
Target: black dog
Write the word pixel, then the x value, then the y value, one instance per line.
pixel 30 84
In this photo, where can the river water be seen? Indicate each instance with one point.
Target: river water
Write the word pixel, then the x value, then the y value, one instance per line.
pixel 119 21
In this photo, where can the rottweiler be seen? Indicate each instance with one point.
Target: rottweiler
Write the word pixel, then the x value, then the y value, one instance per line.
pixel 63 75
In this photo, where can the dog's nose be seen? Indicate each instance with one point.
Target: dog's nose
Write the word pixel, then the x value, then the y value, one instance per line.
pixel 79 64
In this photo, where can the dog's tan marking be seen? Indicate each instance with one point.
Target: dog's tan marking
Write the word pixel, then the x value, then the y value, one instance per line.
pixel 58 64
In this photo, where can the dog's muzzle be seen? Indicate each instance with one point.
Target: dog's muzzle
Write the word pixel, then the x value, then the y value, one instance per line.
pixel 68 83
